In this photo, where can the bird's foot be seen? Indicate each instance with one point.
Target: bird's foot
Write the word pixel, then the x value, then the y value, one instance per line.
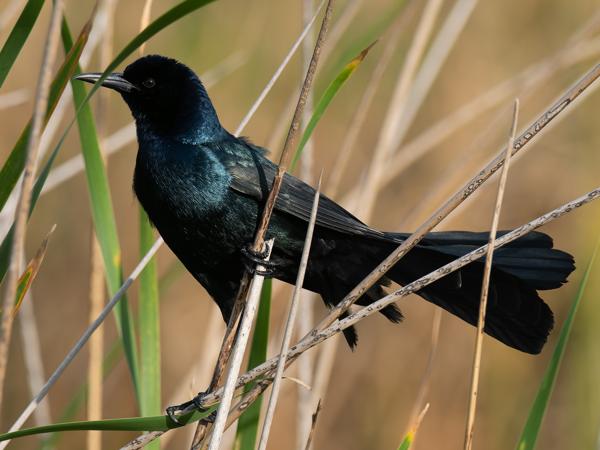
pixel 252 258
pixel 195 404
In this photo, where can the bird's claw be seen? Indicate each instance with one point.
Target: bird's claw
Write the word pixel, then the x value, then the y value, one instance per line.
pixel 252 257
pixel 194 404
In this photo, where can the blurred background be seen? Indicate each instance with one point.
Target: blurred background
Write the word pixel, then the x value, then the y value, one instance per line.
pixel 533 50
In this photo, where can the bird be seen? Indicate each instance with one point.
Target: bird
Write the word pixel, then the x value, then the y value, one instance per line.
pixel 204 190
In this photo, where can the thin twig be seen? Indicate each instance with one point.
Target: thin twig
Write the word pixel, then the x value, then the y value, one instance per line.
pixel 471 186
pixel 268 208
pixel 278 72
pixel 311 435
pixel 142 440
pixel 324 332
pixel 306 305
pixel 113 143
pixel 22 211
pixel 313 339
pixel 33 356
pixel 425 383
pixel 237 355
pixel 289 326
pixel 533 76
pixel 487 270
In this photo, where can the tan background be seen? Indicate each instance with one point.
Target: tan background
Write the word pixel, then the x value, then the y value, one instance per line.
pixel 373 390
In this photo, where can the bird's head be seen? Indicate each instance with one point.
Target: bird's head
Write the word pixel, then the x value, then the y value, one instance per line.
pixel 165 97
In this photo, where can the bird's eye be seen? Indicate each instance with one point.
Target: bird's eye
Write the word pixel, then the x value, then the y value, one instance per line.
pixel 149 83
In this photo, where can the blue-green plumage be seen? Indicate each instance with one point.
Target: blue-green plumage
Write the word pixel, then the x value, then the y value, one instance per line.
pixel 204 189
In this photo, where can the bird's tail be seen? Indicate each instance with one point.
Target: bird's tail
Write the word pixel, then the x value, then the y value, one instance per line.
pixel 516 315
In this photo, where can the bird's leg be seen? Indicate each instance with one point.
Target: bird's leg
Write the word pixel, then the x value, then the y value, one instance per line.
pixel 194 404
pixel 251 258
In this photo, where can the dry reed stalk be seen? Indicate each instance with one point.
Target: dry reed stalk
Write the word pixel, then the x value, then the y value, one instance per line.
pixel 337 31
pixel 34 364
pixel 314 339
pixel 82 341
pixel 54 122
pixel 144 21
pixel 487 270
pixel 22 210
pixel 237 354
pixel 270 203
pixel 122 136
pixel 465 192
pixel 96 346
pixel 33 356
pixel 97 292
pixel 313 426
pixel 530 78
pixel 289 326
pixel 433 61
pixel 200 373
pixel 453 174
pixel 552 112
pixel 361 111
pixel 14 98
pixel 425 383
pixel 326 355
pixel 306 305
pixel 396 107
pixel 278 72
pixel 317 337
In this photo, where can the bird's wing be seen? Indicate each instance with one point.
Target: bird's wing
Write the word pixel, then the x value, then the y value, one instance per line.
pixel 253 175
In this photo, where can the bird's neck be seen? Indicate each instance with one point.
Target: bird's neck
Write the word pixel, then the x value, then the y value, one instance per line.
pixel 196 123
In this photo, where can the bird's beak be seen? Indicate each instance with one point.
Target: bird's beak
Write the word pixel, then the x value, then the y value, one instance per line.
pixel 113 81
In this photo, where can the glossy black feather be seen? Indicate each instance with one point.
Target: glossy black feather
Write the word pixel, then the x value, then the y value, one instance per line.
pixel 204 189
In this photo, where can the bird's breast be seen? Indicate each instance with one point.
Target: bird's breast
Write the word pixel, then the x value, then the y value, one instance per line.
pixel 189 203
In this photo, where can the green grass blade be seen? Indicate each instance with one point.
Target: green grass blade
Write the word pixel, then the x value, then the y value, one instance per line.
pixel 155 423
pixel 11 171
pixel 104 218
pixel 326 99
pixel 30 272
pixel 14 165
pixel 17 37
pixel 412 432
pixel 406 442
pixel 540 405
pixel 111 358
pixel 248 423
pixel 150 400
pixel 360 37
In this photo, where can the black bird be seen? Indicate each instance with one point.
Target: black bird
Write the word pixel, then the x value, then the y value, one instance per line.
pixel 204 190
